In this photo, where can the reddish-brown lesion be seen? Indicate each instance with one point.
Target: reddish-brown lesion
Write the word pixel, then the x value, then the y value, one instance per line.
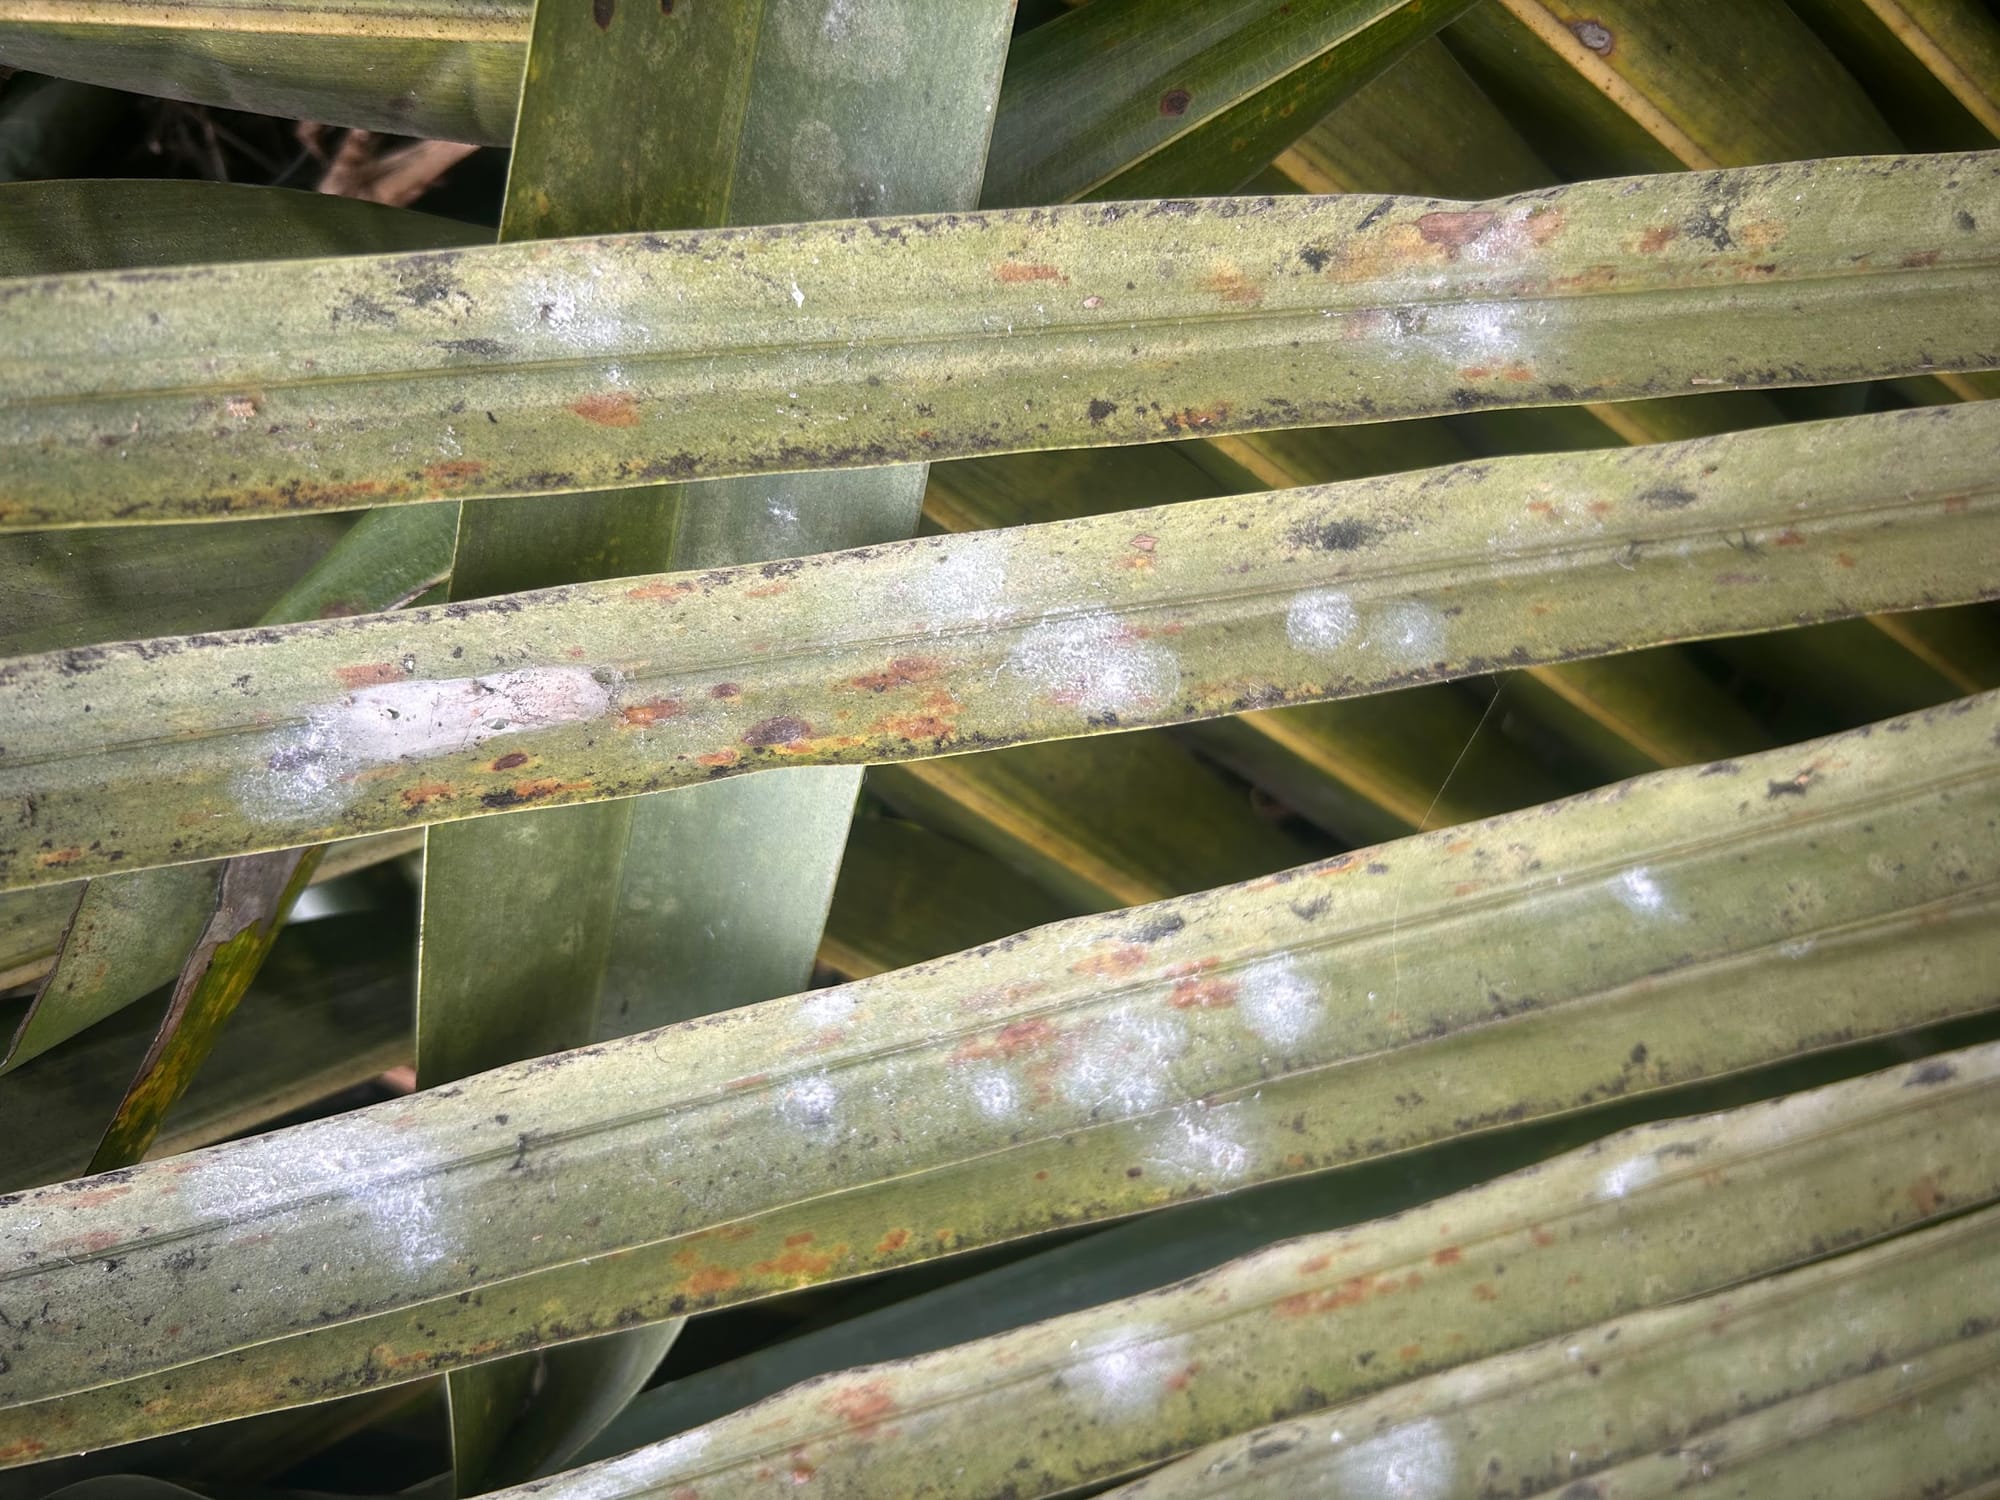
pixel 608 409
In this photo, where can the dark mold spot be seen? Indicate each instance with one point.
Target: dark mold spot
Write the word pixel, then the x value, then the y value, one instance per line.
pixel 601 12
pixel 1175 102
pixel 1937 1070
pixel 782 730
pixel 1965 221
pixel 1157 928
pixel 1099 409
pixel 1341 535
pixel 1314 257
pixel 1666 497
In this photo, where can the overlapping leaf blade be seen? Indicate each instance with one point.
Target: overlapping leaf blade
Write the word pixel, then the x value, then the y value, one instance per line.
pixel 1297 1023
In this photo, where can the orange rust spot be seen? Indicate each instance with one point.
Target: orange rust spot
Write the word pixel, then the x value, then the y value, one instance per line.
pixel 369 674
pixel 1925 1196
pixel 1599 507
pixel 1313 1265
pixel 799 1263
pixel 1542 508
pixel 946 1237
pixel 1518 373
pixel 1538 610
pixel 862 1406
pixel 1450 1255
pixel 904 671
pixel 1476 372
pixel 716 758
pixel 54 857
pixel 1181 1378
pixel 1189 416
pixel 915 727
pixel 1920 258
pixel 1656 239
pixel 25 1448
pixel 803 1237
pixel 1136 563
pixel 546 786
pixel 1955 504
pixel 1542 1237
pixel 687 1492
pixel 893 1241
pixel 1202 994
pixel 1790 538
pixel 1231 285
pixel 1144 543
pixel 1009 1042
pixel 802 1472
pixel 660 592
pixel 1295 1306
pixel 711 1281
pixel 96 1240
pixel 1110 963
pixel 1455 229
pixel 1543 224
pixel 765 591
pixel 639 715
pixel 1410 1352
pixel 94 1197
pixel 1485 1291
pixel 453 472
pixel 427 792
pixel 1846 560
pixel 1020 270
pixel 1458 846
pixel 512 760
pixel 608 409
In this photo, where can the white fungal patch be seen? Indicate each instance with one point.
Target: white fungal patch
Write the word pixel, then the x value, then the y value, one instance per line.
pixel 306 773
pixel 1638 891
pixel 993 1093
pixel 1200 1144
pixel 1414 1461
pixel 1278 1003
pixel 963 585
pixel 650 1467
pixel 1120 1065
pixel 824 1008
pixel 1628 1176
pixel 1094 663
pixel 416 720
pixel 1320 620
pixel 1128 1371
pixel 1410 632
pixel 810 1102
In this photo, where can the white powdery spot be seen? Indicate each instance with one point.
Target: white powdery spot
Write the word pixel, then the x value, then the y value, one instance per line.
pixel 1639 891
pixel 636 1472
pixel 306 772
pixel 1411 632
pixel 1320 619
pixel 1093 662
pixel 962 584
pixel 1200 1144
pixel 809 1102
pixel 1129 1370
pixel 1122 1063
pixel 1278 1003
pixel 1410 1462
pixel 824 1008
pixel 414 720
pixel 993 1093
pixel 1628 1176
